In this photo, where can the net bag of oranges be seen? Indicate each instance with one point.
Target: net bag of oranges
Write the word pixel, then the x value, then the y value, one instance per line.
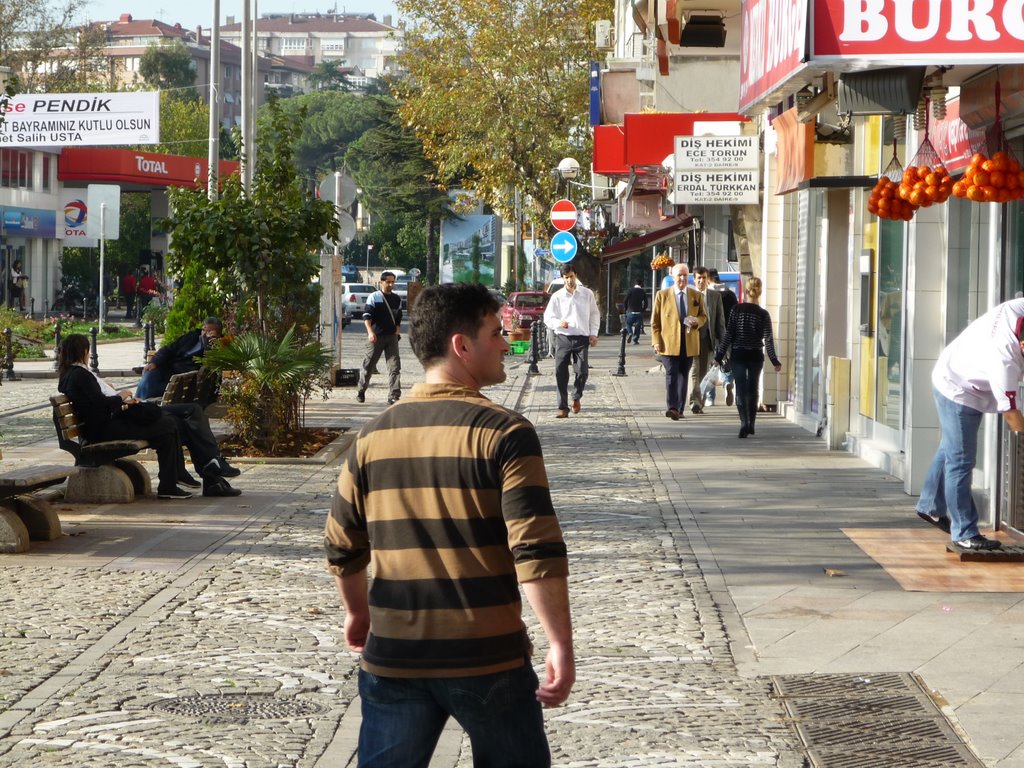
pixel 884 200
pixel 925 181
pixel 994 174
pixel 662 261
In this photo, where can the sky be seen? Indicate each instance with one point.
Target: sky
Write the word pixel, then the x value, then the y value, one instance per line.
pixel 193 13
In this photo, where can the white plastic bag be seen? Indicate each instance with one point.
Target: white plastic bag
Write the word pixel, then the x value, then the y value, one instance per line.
pixel 707 384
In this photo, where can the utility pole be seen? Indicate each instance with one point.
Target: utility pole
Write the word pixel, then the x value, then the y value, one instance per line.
pixel 213 157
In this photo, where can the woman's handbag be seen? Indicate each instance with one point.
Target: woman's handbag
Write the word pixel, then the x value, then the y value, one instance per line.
pixel 707 384
pixel 142 413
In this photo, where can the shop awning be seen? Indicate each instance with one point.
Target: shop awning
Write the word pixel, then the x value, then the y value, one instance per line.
pixel 635 245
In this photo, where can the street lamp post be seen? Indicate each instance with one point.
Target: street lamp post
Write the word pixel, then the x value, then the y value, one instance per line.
pixel 369 247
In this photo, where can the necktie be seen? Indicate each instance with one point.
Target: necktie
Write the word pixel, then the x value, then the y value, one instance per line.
pixel 682 305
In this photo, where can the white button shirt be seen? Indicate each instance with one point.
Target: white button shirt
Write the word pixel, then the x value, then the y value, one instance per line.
pixel 578 309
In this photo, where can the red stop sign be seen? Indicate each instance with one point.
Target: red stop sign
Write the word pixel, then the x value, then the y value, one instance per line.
pixel 563 215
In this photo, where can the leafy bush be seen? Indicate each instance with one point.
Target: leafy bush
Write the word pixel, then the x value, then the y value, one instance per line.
pixel 266 383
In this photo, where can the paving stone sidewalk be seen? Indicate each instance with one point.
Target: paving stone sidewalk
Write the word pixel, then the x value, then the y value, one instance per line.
pixel 136 664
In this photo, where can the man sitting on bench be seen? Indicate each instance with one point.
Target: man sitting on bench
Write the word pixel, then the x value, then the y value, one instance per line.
pixel 101 408
pixel 177 357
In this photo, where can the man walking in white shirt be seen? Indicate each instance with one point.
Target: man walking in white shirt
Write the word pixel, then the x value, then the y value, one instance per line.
pixel 573 315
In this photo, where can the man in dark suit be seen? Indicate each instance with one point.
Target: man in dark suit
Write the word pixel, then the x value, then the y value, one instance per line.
pixel 635 306
pixel 710 334
pixel 679 314
pixel 177 357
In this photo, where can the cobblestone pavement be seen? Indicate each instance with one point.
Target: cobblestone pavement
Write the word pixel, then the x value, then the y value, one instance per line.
pixel 97 665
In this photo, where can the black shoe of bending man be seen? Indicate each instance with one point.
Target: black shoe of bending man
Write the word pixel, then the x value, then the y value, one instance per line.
pixel 218 486
pixel 977 543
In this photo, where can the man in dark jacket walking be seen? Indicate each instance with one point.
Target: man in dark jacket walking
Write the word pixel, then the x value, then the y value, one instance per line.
pixel 177 357
pixel 382 318
pixel 635 306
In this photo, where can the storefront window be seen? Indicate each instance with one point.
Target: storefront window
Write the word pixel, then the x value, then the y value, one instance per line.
pixel 15 169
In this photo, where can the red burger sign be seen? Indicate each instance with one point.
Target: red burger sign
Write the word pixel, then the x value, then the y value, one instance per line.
pixel 898 31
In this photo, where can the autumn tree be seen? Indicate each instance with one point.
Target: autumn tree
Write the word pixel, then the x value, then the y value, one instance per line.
pixel 48 50
pixel 498 90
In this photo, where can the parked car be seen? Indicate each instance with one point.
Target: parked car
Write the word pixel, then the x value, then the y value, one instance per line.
pixel 401 288
pixel 350 273
pixel 354 296
pixel 528 305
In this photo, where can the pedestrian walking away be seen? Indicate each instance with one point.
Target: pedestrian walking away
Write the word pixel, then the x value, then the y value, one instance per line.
pixel 710 334
pixel 18 285
pixel 978 373
pixel 182 355
pixel 129 287
pixel 679 313
pixel 575 319
pixel 635 306
pixel 383 319
pixel 729 301
pixel 747 338
pixel 445 497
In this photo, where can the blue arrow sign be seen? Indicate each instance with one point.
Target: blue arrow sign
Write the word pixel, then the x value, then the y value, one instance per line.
pixel 563 246
pixel 541 252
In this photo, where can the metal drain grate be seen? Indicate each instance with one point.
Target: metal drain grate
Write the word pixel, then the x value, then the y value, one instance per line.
pixel 863 721
pixel 236 708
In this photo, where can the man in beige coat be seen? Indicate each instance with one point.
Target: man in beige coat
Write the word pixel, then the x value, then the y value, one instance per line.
pixel 679 314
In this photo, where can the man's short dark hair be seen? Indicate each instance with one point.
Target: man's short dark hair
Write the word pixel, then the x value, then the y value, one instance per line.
pixel 566 269
pixel 441 311
pixel 386 274
pixel 713 274
pixel 214 321
pixel 700 271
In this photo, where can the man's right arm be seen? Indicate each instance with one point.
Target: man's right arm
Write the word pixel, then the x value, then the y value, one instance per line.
pixel 1014 420
pixel 549 598
pixel 353 590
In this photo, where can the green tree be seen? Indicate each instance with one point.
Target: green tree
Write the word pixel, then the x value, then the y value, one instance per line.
pixel 184 126
pixel 259 251
pixel 498 90
pixel 329 77
pixel 169 68
pixel 399 183
pixel 330 122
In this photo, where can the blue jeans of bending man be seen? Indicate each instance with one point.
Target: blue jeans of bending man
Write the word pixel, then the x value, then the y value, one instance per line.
pixel 403 719
pixel 947 486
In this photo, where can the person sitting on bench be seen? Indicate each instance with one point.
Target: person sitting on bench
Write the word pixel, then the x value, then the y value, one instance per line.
pixel 177 357
pixel 105 415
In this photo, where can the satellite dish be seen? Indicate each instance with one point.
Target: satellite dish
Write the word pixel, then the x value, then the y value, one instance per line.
pixel 346 231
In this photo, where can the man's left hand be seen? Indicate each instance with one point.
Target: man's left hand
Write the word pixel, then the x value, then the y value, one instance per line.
pixel 593 341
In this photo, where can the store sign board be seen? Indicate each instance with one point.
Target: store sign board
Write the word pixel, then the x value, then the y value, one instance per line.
pixel 774 46
pixel 81 119
pixel 715 170
pixel 899 31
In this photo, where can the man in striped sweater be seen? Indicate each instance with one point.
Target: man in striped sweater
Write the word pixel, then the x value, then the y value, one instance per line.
pixel 445 497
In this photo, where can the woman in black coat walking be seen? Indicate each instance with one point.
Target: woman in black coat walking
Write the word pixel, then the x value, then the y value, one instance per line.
pixel 749 336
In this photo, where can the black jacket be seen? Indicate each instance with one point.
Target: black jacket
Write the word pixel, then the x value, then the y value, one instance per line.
pixel 636 299
pixel 91 406
pixel 174 356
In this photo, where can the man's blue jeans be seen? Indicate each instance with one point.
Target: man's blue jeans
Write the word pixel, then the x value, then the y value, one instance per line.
pixel 634 325
pixel 947 487
pixel 403 719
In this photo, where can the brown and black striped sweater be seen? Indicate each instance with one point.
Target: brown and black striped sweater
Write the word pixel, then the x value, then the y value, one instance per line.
pixel 446 497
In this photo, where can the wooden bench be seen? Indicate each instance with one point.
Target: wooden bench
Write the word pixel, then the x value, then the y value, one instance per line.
pixel 24 516
pixel 201 386
pixel 106 474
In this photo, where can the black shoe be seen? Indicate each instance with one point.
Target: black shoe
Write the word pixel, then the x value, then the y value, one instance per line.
pixel 743 432
pixel 673 414
pixel 750 430
pixel 696 408
pixel 219 487
pixel 977 543
pixel 393 400
pixel 361 396
pixel 184 478
pixel 226 470
pixel 177 493
pixel 942 523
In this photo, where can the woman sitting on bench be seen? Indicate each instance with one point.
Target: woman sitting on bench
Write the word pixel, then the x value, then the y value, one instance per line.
pixel 106 415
